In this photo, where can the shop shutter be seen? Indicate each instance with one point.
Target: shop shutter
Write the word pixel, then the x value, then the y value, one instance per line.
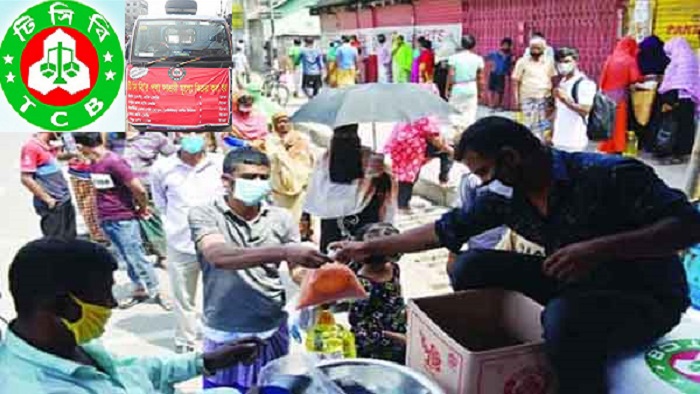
pixel 591 26
pixel 394 15
pixel 347 20
pixel 329 23
pixel 437 12
pixel 365 18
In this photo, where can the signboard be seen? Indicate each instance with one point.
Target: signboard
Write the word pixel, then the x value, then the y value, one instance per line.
pixel 676 18
pixel 237 17
pixel 180 98
pixel 438 34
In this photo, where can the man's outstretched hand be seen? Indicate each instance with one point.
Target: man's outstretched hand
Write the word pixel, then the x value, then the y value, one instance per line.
pixel 305 256
pixel 244 351
pixel 346 251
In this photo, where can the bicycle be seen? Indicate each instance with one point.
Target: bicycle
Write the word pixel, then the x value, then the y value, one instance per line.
pixel 274 89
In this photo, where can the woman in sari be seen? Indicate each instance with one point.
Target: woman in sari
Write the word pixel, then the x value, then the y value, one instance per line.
pixel 349 188
pixel 619 74
pixel 652 62
pixel 247 125
pixel 680 98
pixel 291 163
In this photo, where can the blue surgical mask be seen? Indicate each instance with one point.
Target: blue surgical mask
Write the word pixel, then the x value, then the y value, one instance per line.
pixel 251 191
pixel 192 144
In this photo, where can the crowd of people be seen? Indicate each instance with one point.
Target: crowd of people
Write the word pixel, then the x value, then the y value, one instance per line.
pixel 232 208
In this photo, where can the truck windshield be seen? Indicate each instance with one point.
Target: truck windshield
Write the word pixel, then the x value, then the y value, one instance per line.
pixel 180 39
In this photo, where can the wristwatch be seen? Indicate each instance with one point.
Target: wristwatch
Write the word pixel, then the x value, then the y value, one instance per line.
pixel 202 366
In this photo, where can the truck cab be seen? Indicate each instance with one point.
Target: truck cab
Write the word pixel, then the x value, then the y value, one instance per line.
pixel 179 72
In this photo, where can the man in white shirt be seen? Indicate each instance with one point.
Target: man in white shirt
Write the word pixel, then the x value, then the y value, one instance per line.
pixel 241 68
pixel 189 178
pixel 574 99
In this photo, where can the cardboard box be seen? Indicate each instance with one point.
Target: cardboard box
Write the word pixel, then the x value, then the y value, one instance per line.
pixel 479 342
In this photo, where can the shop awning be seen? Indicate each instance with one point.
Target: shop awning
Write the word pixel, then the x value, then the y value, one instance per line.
pixel 292 6
pixel 321 4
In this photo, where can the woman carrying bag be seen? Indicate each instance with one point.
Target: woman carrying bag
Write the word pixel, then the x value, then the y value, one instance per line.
pixel 646 105
pixel 680 97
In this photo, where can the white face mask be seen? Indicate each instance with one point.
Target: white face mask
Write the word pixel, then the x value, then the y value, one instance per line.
pixel 566 68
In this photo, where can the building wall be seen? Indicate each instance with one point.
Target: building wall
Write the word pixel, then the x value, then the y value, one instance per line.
pixel 134 9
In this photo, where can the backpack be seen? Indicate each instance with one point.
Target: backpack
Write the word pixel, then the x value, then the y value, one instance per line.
pixel 601 119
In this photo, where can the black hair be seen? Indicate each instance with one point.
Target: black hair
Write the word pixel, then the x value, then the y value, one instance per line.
pixel 345 162
pixel 401 37
pixel 308 40
pixel 381 38
pixel 345 39
pixel 564 52
pixel 88 140
pixel 507 40
pixel 48 268
pixel 427 44
pixel 297 41
pixel 244 156
pixel 468 42
pixel 489 135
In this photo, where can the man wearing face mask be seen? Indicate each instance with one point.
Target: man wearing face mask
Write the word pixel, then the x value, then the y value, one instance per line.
pixel 533 87
pixel 186 179
pixel 62 293
pixel 241 241
pixel 43 177
pixel 611 280
pixel 574 99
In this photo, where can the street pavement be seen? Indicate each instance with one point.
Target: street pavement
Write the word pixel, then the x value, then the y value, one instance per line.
pixel 148 330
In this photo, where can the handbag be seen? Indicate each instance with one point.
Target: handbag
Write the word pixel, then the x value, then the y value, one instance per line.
pixel 666 135
pixel 642 104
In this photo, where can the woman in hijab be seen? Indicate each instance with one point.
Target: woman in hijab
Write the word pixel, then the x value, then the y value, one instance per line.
pixel 646 121
pixel 247 124
pixel 291 163
pixel 680 98
pixel 619 74
pixel 349 188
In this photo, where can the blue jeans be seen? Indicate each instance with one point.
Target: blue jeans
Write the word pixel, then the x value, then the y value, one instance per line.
pixel 583 323
pixel 125 235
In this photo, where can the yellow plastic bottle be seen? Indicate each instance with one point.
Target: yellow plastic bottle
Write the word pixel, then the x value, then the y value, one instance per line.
pixel 632 146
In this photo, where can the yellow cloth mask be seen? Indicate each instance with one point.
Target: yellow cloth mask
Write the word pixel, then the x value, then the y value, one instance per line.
pixel 91 324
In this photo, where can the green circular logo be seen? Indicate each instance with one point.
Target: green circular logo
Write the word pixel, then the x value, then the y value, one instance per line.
pixel 677 363
pixel 61 65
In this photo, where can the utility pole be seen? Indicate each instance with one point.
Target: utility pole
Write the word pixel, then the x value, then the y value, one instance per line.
pixel 273 39
pixel 692 177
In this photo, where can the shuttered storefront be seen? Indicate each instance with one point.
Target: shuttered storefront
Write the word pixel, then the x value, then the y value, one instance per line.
pixel 591 26
pixel 438 12
pixel 395 15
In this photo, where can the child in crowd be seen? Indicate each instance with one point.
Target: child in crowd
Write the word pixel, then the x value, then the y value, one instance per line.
pixel 379 322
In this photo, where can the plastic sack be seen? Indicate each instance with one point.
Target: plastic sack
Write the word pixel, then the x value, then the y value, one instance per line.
pixel 330 283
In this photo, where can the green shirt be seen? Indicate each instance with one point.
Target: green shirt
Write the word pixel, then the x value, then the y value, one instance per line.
pixel 27 370
pixel 295 55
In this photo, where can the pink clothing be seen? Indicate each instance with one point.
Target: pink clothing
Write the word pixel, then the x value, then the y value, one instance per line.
pixel 251 127
pixel 407 147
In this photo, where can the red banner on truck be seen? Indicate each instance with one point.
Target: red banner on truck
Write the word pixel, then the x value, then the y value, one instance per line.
pixel 178 98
